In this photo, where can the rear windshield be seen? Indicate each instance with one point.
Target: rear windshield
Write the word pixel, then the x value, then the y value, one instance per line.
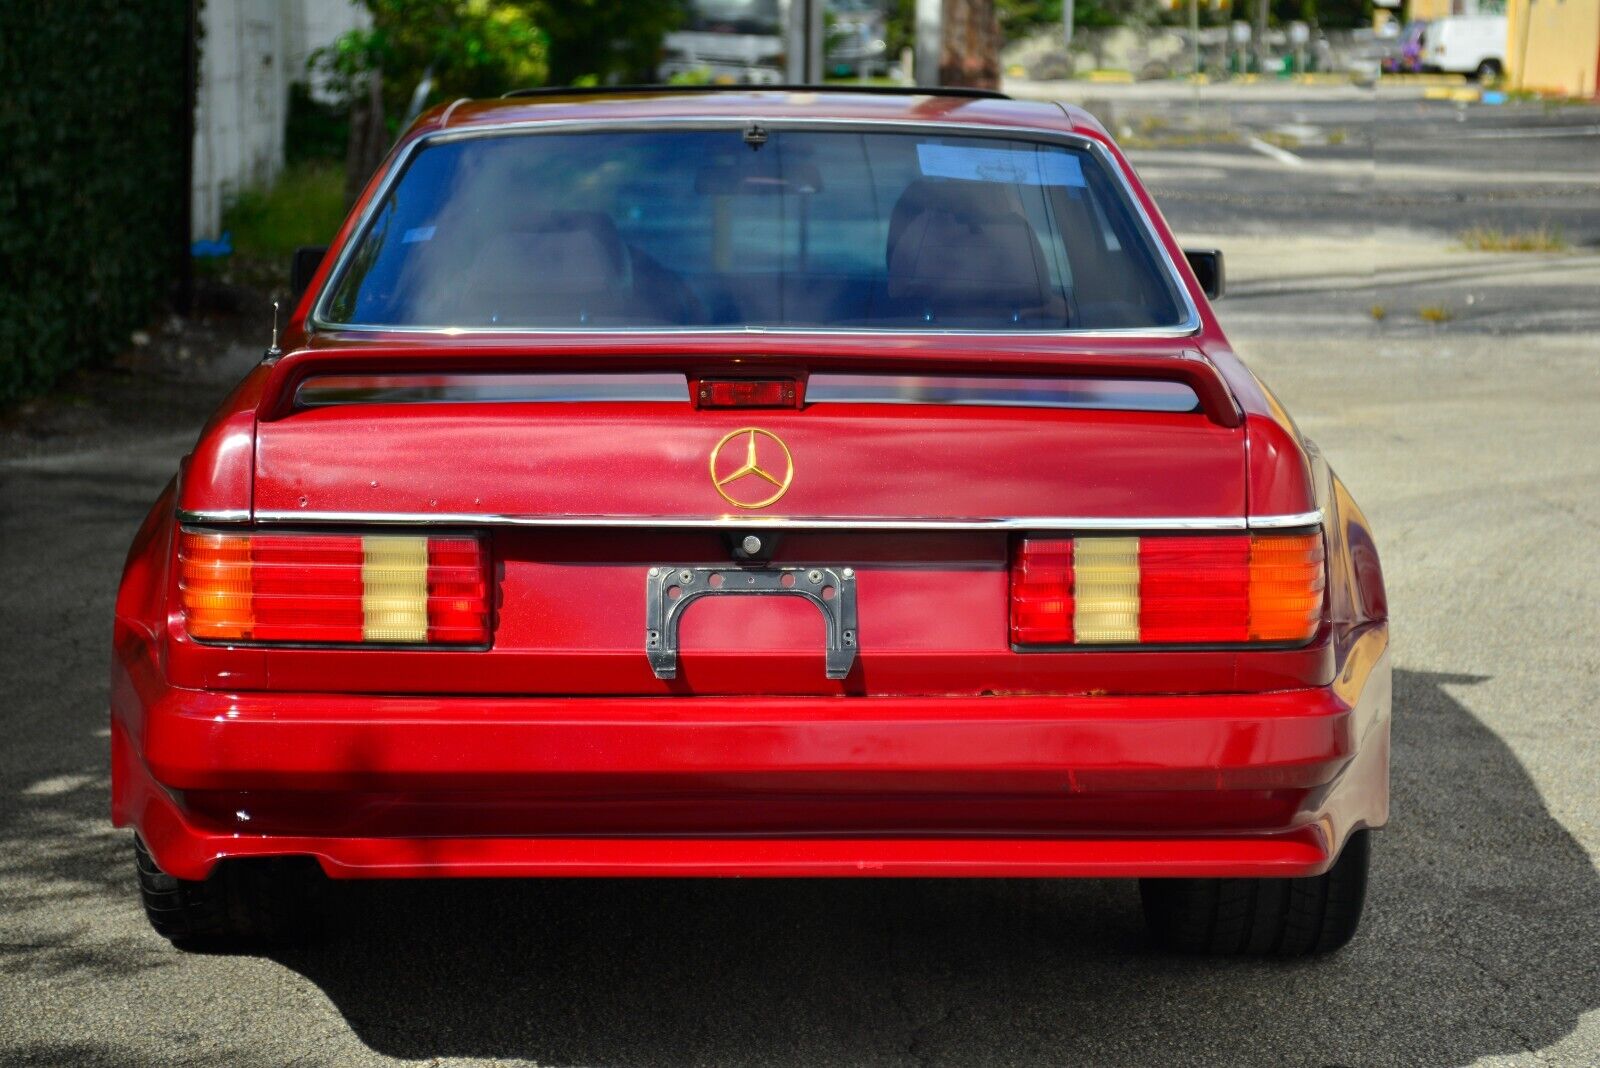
pixel 755 228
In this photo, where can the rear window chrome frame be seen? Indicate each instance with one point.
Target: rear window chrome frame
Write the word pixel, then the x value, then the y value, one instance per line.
pixel 1188 326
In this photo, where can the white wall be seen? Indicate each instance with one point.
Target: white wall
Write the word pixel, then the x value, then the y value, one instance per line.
pixel 250 50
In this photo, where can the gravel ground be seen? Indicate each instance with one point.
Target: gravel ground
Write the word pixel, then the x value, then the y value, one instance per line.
pixel 1467 442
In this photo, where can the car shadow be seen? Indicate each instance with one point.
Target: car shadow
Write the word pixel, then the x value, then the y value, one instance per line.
pixel 1483 917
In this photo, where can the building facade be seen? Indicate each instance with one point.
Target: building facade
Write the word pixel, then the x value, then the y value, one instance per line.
pixel 1438 9
pixel 250 52
pixel 1553 46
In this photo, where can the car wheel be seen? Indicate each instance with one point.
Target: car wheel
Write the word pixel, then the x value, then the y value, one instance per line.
pixel 1488 71
pixel 244 902
pixel 1261 917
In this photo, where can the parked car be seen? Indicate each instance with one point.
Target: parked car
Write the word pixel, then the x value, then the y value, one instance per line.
pixel 743 41
pixel 857 39
pixel 738 41
pixel 1466 44
pixel 756 483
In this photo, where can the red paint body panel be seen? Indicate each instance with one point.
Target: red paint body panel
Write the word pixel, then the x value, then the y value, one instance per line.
pixel 218 474
pixel 1070 783
pixel 556 750
pixel 611 459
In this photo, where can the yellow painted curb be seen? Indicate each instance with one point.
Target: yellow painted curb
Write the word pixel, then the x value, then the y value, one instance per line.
pixel 1119 76
pixel 1423 79
pixel 1460 96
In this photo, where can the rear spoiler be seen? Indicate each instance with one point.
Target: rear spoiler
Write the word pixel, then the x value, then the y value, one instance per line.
pixel 743 352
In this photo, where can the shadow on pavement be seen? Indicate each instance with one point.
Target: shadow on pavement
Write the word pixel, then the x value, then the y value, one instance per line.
pixel 1480 938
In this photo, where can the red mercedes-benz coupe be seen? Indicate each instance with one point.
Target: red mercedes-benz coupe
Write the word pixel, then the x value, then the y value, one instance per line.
pixel 764 483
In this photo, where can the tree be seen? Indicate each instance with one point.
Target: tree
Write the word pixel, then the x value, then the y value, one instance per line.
pixel 471 48
pixel 970 51
pixel 480 48
pixel 603 41
pixel 1019 18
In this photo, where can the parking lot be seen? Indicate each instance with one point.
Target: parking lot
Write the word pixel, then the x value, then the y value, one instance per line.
pixel 1454 390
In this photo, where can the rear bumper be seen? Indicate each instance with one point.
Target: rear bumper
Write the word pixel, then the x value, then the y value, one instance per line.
pixel 1235 785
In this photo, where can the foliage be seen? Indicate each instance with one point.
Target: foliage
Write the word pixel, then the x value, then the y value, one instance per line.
pixel 603 41
pixel 482 48
pixel 1329 14
pixel 696 76
pixel 314 130
pixel 1018 18
pixel 1493 239
pixel 473 47
pixel 92 225
pixel 900 26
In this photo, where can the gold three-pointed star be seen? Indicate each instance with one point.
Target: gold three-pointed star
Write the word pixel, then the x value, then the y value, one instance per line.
pixel 751 466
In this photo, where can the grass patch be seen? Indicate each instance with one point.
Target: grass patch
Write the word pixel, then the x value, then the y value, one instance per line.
pixel 1492 239
pixel 1280 140
pixel 304 207
pixel 1377 311
pixel 1158 131
pixel 1178 138
pixel 1435 313
pixel 1338 136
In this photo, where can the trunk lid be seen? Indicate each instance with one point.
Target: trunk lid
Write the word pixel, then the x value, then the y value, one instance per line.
pixel 916 489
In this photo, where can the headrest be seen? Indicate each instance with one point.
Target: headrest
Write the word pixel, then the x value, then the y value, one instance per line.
pixel 556 251
pixel 970 202
pixel 965 250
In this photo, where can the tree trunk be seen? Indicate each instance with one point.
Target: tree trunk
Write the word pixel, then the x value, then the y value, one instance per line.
pixel 369 139
pixel 971 52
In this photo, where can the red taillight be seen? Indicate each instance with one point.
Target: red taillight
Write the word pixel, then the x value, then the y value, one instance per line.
pixel 1041 591
pixel 1167 590
pixel 747 393
pixel 334 588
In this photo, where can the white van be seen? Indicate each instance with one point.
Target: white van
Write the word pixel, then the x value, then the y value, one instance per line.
pixel 1466 44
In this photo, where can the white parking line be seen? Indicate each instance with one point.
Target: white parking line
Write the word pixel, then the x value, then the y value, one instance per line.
pixel 1506 135
pixel 1282 155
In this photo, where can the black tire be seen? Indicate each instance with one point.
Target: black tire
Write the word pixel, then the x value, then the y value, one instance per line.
pixel 245 903
pixel 1261 917
pixel 1488 71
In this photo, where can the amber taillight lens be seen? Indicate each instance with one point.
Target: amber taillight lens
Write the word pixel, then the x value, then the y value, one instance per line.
pixel 1210 589
pixel 334 588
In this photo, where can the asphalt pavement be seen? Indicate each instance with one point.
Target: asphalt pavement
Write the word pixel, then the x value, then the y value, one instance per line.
pixel 1466 434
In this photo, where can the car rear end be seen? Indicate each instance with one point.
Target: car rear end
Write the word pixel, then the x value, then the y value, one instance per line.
pixel 674 599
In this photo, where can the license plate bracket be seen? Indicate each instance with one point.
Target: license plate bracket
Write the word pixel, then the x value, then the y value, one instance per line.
pixel 831 589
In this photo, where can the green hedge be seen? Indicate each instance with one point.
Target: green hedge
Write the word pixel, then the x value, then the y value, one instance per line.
pixel 92 179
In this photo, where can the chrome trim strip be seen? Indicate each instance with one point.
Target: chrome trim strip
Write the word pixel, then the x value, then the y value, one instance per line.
pixel 1284 522
pixel 471 519
pixel 1188 327
pixel 216 515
